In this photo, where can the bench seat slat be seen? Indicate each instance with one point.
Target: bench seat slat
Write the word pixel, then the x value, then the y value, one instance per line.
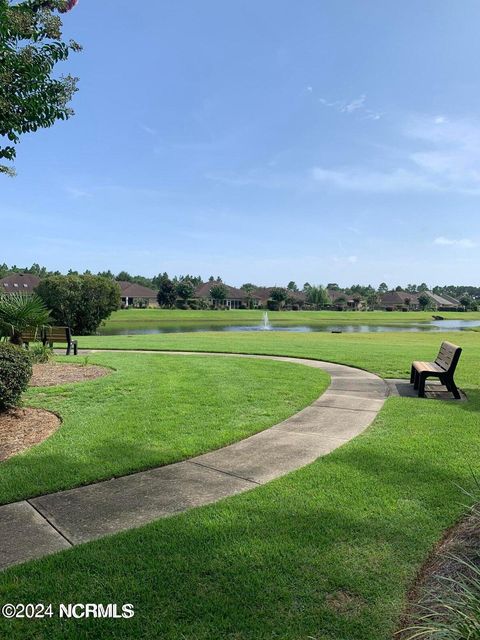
pixel 428 366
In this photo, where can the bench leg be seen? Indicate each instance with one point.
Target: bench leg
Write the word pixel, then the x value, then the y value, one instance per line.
pixel 68 348
pixel 454 389
pixel 416 380
pixel 421 385
pixel 75 348
pixel 412 374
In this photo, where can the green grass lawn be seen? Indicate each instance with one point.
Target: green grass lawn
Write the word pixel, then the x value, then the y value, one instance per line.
pixel 145 318
pixel 388 354
pixel 154 410
pixel 325 553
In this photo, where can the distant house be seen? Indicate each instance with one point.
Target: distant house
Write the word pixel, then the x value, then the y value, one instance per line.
pixel 19 282
pixel 263 294
pixel 443 302
pixel 399 300
pixel 410 301
pixel 136 295
pixel 235 299
pixel 342 299
pixel 239 298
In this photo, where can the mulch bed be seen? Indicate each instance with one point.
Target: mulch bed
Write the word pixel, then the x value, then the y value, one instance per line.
pixel 51 374
pixel 23 428
pixel 20 429
pixel 461 541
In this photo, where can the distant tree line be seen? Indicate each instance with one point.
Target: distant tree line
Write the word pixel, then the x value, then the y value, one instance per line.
pixel 182 286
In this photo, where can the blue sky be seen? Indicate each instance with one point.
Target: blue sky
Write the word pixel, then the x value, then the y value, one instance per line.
pixel 261 141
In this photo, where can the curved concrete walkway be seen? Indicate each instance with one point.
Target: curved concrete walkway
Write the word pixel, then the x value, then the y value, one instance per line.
pixel 47 524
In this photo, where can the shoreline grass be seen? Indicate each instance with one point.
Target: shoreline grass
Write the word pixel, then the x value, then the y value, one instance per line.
pixel 132 318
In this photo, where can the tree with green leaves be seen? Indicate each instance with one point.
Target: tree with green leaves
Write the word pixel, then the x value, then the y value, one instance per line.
pixel 219 292
pixel 373 299
pixel 123 276
pixel 467 302
pixel 382 288
pixel 424 301
pixel 31 45
pixel 167 294
pixel 292 286
pixel 318 296
pixel 279 295
pixel 80 302
pixel 184 289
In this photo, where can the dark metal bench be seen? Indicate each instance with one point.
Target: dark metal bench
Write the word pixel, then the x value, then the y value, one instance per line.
pixel 60 334
pixel 443 368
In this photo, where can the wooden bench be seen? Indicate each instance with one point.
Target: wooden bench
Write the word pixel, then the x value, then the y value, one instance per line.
pixel 30 335
pixel 60 334
pixel 443 368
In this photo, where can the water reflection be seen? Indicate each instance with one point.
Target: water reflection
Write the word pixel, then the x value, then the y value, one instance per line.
pixel 195 327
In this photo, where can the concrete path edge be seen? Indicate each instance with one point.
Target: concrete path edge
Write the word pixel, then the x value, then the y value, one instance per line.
pixel 41 526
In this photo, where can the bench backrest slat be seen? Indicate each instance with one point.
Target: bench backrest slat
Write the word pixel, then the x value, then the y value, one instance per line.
pixel 30 335
pixel 58 334
pixel 448 356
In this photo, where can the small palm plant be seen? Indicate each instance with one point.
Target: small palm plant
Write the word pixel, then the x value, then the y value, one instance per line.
pixel 20 312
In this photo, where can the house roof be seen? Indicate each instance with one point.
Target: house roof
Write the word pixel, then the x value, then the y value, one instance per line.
pixel 391 298
pixel 17 282
pixel 203 291
pixel 443 301
pixel 335 294
pixel 134 290
pixel 259 293
pixel 451 299
pixel 264 293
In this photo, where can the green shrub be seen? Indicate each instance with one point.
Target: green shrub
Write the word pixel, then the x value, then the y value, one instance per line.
pixel 273 305
pixel 39 353
pixel 15 373
pixel 80 302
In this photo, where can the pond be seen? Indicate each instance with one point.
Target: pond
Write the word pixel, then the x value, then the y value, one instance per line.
pixel 198 326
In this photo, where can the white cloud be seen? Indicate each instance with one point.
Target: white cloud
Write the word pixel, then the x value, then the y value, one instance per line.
pixel 465 243
pixel 452 151
pixel 372 115
pixel 74 192
pixel 345 259
pixel 149 130
pixel 441 155
pixel 359 179
pixel 352 106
